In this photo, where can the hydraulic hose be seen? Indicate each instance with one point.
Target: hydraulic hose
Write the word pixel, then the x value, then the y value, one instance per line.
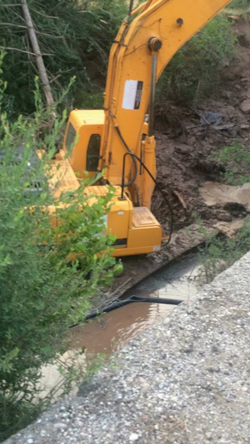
pixel 130 7
pixel 129 151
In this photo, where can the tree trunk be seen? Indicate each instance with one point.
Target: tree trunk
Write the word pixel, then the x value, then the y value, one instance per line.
pixel 39 60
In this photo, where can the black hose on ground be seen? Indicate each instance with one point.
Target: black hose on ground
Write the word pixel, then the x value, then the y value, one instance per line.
pixel 131 300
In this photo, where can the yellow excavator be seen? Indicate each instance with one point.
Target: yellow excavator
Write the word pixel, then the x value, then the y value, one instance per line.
pixel 119 139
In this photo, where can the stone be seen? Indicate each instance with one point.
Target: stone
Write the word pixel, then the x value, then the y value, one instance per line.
pixel 60 426
pixel 133 437
pixel 245 106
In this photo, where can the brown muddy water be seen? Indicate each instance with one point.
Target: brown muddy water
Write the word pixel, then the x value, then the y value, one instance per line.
pixel 115 329
pixel 179 280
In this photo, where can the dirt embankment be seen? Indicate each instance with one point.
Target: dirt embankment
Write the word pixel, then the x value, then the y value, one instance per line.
pixel 185 139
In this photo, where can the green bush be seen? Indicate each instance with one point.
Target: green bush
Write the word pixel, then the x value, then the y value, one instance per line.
pixel 47 276
pixel 194 70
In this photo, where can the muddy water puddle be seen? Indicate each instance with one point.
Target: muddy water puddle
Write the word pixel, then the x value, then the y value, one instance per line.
pixel 113 330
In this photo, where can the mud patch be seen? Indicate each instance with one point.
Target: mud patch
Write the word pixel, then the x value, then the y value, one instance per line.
pixel 234 199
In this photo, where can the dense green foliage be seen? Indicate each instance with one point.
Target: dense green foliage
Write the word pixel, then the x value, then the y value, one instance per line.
pixel 194 70
pixel 48 275
pixel 75 38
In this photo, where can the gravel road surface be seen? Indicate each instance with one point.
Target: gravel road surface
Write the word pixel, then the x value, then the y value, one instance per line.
pixel 185 380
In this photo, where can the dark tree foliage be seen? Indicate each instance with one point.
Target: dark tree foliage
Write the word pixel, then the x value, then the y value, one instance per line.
pixel 75 38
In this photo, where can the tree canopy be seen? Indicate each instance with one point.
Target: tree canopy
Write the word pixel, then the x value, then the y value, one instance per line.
pixel 74 37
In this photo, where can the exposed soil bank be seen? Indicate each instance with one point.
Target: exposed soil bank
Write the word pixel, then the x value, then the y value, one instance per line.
pixel 185 380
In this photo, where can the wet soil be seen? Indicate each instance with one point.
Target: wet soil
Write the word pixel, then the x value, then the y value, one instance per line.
pixel 185 140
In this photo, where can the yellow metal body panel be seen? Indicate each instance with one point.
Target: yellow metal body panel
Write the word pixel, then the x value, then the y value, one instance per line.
pixel 63 177
pixel 119 218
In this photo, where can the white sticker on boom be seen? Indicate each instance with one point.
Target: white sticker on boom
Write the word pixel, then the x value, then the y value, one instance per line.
pixel 132 94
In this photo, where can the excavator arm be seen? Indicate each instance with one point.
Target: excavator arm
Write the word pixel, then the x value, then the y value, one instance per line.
pixel 144 45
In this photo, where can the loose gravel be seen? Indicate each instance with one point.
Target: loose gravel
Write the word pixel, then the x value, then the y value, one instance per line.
pixel 185 380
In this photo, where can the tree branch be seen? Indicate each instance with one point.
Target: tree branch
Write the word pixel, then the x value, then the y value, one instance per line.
pixel 13 5
pixel 8 48
pixel 36 48
pixel 13 24
pixel 44 15
pixel 37 32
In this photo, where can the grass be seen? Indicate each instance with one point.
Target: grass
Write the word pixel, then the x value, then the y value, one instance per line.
pixel 221 252
pixel 236 160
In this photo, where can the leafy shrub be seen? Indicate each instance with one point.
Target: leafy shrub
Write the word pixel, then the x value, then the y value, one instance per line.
pixel 194 70
pixel 48 275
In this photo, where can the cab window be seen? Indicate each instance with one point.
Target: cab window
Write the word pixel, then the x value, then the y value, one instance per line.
pixel 93 152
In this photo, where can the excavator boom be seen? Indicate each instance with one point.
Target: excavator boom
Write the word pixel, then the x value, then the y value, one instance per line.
pixel 127 97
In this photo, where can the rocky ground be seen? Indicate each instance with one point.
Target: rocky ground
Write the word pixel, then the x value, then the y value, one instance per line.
pixel 185 380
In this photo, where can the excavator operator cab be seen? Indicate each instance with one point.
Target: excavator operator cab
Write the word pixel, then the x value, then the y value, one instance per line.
pixel 83 140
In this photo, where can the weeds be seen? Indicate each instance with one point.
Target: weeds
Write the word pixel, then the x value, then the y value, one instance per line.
pixel 236 160
pixel 221 252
